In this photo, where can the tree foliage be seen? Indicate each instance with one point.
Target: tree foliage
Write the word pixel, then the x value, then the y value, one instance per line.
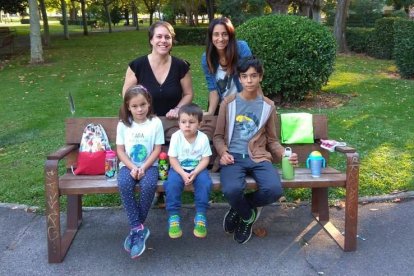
pixel 298 53
pixel 241 10
pixel 13 6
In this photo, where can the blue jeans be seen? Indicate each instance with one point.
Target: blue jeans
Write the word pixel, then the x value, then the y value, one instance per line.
pixel 233 184
pixel 174 187
pixel 137 210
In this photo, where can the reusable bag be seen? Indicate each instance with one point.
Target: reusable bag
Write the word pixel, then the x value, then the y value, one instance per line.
pixel 92 151
pixel 296 128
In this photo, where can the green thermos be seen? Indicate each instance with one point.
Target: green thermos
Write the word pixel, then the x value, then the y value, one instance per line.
pixel 288 172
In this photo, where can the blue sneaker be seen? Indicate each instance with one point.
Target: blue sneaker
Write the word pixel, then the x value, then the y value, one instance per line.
pixel 135 242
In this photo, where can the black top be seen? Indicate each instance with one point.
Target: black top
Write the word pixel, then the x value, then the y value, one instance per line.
pixel 167 95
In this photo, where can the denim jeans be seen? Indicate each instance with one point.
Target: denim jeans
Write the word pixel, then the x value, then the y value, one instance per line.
pixel 233 184
pixel 174 187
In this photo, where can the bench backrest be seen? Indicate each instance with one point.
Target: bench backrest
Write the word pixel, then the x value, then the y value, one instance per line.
pixel 75 127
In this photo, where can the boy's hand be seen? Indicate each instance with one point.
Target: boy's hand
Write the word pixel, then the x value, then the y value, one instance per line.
pixel 226 159
pixel 293 159
pixel 186 178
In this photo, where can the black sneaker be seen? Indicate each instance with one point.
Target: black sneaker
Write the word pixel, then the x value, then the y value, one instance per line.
pixel 231 221
pixel 243 232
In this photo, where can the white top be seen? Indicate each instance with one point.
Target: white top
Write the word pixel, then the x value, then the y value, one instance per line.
pixel 139 139
pixel 189 155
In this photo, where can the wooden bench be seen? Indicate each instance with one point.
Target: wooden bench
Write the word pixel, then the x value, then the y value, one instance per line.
pixel 7 38
pixel 73 187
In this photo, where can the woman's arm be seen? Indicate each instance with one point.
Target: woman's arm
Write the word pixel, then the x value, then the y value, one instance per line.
pixel 187 87
pixel 213 101
pixel 130 80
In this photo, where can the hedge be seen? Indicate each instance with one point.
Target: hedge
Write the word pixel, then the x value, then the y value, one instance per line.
pixel 404 47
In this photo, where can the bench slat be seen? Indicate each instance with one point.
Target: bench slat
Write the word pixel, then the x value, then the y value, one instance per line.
pixel 70 184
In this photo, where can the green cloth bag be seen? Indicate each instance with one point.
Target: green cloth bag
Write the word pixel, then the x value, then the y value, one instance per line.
pixel 296 128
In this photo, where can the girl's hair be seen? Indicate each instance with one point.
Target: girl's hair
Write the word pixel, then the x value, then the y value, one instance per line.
pixel 157 24
pixel 125 114
pixel 231 49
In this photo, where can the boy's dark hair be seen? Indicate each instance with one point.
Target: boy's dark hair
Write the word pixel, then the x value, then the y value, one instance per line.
pixel 246 63
pixel 191 109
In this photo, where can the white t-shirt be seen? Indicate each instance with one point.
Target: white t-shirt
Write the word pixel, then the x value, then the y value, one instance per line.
pixel 225 83
pixel 139 139
pixel 189 155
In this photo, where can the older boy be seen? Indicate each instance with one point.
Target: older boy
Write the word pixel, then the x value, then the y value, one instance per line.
pixel 245 139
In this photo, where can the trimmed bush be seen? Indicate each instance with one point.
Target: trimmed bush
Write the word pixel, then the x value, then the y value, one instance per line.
pixel 382 44
pixel 359 39
pixel 404 47
pixel 190 35
pixel 298 53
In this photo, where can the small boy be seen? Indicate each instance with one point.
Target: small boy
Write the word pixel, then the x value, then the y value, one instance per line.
pixel 189 154
pixel 245 139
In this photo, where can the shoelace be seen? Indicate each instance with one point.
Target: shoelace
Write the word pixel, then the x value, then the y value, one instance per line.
pixel 134 237
pixel 200 221
pixel 174 221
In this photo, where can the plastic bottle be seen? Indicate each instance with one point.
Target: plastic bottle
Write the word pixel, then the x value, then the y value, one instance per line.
pixel 288 172
pixel 111 164
pixel 163 166
pixel 315 162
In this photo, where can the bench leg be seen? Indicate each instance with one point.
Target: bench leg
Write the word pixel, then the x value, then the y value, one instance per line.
pixel 52 212
pixel 351 202
pixel 320 207
pixel 58 244
pixel 74 213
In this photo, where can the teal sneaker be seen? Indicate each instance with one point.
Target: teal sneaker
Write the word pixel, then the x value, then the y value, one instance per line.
pixel 137 242
pixel 174 228
pixel 200 225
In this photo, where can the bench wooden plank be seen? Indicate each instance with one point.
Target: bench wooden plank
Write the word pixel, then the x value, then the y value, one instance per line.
pixel 70 184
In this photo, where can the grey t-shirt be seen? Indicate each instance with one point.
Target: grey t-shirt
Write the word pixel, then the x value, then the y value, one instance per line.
pixel 248 115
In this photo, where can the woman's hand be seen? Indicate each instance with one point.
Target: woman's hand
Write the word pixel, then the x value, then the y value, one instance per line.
pixel 173 113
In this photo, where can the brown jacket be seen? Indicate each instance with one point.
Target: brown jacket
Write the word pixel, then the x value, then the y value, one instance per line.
pixel 263 146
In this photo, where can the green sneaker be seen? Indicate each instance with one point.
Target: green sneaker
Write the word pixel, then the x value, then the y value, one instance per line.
pixel 200 221
pixel 174 229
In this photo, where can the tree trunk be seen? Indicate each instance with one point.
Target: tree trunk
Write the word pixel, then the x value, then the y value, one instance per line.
pixel 84 20
pixel 279 6
pixel 134 11
pixel 36 50
pixel 340 25
pixel 210 9
pixel 64 19
pixel 46 33
pixel 108 14
pixel 316 10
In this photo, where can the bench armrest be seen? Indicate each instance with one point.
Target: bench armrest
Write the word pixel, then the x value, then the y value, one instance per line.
pixel 62 152
pixel 345 149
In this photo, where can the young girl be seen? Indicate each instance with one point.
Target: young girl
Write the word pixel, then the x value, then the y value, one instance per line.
pixel 138 143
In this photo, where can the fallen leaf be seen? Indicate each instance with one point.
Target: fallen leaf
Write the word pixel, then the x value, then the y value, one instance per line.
pixel 373 209
pixel 282 199
pixel 397 200
pixel 260 232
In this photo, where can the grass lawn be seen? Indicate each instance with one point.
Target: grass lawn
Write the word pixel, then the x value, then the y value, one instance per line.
pixel 34 103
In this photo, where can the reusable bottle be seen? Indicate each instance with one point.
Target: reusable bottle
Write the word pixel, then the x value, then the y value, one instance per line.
pixel 288 172
pixel 111 164
pixel 163 166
